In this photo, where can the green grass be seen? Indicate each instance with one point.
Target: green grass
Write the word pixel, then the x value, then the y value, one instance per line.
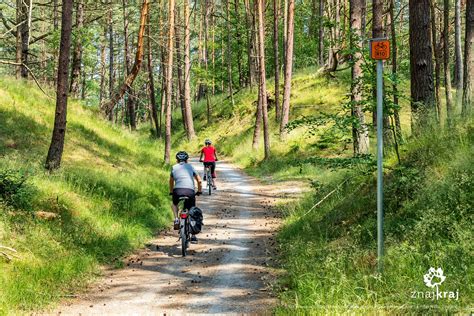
pixel 110 195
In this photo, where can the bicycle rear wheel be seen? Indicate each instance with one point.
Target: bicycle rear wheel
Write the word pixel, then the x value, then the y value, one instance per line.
pixel 209 182
pixel 184 239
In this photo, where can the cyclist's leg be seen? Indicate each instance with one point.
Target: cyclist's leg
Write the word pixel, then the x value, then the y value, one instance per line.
pixel 174 207
pixel 213 173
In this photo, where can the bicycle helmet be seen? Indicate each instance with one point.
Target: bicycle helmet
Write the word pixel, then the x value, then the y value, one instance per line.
pixel 182 156
pixel 207 141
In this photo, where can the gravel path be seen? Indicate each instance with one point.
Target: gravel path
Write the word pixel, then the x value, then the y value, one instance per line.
pixel 228 271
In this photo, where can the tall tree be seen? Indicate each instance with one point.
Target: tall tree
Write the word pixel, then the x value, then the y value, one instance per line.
pixel 468 86
pixel 276 57
pixel 77 53
pixel 458 66
pixel 151 79
pixel 130 99
pixel 396 114
pixel 447 69
pixel 169 83
pixel 187 72
pixel 438 57
pixel 55 152
pixel 288 69
pixel 360 131
pixel 110 22
pixel 321 33
pixel 421 66
pixel 262 77
pixel 26 8
pixel 229 54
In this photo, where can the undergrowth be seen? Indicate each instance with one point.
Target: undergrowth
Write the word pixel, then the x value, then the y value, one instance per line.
pixel 107 199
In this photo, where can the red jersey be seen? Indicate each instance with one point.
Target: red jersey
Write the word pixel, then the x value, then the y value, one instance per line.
pixel 209 153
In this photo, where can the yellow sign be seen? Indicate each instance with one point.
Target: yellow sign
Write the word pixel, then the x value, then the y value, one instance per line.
pixel 380 49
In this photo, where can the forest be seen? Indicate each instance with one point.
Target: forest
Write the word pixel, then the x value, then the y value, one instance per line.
pixel 96 98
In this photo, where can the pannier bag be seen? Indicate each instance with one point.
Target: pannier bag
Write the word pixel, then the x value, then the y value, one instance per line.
pixel 195 220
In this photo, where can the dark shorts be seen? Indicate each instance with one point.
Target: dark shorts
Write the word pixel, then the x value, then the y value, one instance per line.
pixel 213 167
pixel 190 202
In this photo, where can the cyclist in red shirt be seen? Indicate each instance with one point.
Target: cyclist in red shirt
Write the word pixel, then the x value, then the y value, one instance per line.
pixel 209 158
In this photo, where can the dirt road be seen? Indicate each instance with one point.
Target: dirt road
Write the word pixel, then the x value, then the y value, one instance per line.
pixel 228 271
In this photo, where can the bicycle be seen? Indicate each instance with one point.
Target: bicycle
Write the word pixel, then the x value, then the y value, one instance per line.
pixel 209 179
pixel 184 229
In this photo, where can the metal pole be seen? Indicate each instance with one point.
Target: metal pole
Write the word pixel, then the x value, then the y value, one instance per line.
pixel 380 165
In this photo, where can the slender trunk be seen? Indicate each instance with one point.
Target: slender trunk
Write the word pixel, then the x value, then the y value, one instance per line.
pixel 468 84
pixel 360 131
pixel 25 27
pixel 276 15
pixel 458 66
pixel 422 90
pixel 19 16
pixel 179 70
pixel 187 72
pixel 55 152
pixel 437 50
pixel 111 58
pixel 396 114
pixel 239 44
pixel 55 15
pixel 262 77
pixel 169 74
pixel 151 79
pixel 229 55
pixel 102 71
pixel 447 69
pixel 77 54
pixel 288 69
pixel 130 100
pixel 321 34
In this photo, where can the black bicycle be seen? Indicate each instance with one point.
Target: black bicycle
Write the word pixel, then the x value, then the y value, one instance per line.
pixel 184 226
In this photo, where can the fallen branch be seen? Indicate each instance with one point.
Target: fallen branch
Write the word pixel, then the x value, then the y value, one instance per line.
pixel 324 198
pixel 6 62
pixel 8 248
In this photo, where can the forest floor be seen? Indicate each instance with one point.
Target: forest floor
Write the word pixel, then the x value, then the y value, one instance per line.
pixel 230 270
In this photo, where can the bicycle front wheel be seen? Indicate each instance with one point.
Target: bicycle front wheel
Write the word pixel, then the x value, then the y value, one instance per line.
pixel 209 182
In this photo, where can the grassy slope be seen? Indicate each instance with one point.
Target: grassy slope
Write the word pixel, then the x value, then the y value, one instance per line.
pixel 329 254
pixel 110 195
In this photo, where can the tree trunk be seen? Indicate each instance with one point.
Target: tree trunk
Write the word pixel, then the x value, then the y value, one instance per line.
pixel 276 15
pixel 102 70
pixel 55 152
pixel 396 114
pixel 468 85
pixel 458 66
pixel 187 72
pixel 447 69
pixel 229 55
pixel 321 34
pixel 239 44
pixel 437 50
pixel 130 99
pixel 55 15
pixel 19 16
pixel 151 79
pixel 25 28
pixel 422 90
pixel 288 69
pixel 179 70
pixel 169 83
pixel 262 77
pixel 250 18
pixel 77 54
pixel 138 61
pixel 111 60
pixel 360 131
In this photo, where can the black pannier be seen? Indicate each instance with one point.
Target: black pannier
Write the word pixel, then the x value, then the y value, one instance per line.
pixel 195 220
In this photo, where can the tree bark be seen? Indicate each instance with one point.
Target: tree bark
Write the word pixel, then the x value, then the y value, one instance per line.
pixel 111 60
pixel 179 69
pixel 187 72
pixel 77 54
pixel 468 85
pixel 130 99
pixel 239 44
pixel 437 53
pixel 151 79
pixel 25 28
pixel 458 66
pixel 262 77
pixel 321 34
pixel 360 131
pixel 229 55
pixel 288 69
pixel 276 16
pixel 102 70
pixel 447 69
pixel 55 152
pixel 422 90
pixel 396 114
pixel 169 83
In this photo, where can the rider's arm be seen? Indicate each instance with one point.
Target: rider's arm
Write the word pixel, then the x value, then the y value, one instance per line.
pixel 215 154
pixel 202 154
pixel 199 182
pixel 171 184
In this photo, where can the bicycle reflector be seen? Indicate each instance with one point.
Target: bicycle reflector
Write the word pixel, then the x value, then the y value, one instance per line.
pixel 184 215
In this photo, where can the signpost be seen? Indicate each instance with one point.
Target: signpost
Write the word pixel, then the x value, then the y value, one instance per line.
pixel 380 51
